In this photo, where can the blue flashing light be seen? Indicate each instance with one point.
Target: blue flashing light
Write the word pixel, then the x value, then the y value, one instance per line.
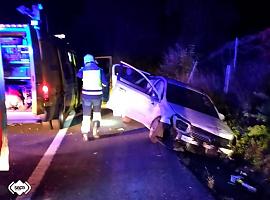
pixel 40 7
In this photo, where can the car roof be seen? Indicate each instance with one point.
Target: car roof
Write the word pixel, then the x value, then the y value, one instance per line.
pixel 173 81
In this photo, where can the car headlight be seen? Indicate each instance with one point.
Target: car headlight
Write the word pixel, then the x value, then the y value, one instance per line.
pixel 180 124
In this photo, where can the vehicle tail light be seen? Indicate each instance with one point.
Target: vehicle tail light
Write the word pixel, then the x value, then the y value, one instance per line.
pixel 45 90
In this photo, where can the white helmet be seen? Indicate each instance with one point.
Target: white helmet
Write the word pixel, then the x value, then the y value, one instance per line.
pixel 88 58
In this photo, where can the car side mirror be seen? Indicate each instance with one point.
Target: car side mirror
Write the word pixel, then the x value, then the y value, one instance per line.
pixel 221 116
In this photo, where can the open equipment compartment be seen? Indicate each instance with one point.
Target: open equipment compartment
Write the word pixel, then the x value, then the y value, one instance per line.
pixel 17 61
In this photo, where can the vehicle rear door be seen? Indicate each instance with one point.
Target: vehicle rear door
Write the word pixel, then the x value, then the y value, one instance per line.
pixel 69 81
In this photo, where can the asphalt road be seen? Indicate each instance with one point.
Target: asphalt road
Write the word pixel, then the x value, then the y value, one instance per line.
pixel 122 164
pixel 27 144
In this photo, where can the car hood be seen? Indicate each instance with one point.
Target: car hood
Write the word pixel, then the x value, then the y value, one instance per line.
pixel 203 121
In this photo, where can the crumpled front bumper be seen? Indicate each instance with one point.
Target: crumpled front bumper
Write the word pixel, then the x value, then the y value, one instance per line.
pixel 207 147
pixel 202 141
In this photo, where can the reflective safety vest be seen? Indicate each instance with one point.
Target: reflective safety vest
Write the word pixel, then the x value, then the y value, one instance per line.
pixel 92 84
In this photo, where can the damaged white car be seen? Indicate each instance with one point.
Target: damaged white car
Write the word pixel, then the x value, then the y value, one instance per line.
pixel 169 107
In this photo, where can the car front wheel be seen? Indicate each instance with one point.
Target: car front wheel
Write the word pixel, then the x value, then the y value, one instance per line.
pixel 126 119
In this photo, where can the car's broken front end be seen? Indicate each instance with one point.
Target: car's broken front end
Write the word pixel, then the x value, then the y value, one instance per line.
pixel 197 140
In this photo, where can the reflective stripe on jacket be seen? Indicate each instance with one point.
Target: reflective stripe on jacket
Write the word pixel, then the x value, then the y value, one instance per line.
pixel 92 92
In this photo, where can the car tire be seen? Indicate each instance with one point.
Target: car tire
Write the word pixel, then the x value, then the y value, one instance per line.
pixel 126 119
pixel 156 130
pixel 61 116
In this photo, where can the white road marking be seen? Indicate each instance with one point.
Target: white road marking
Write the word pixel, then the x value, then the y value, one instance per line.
pixel 39 172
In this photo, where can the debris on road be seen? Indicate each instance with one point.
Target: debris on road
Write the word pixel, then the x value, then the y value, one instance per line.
pixel 120 129
pixel 240 180
pixel 209 179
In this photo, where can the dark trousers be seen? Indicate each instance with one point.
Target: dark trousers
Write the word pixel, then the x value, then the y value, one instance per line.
pixel 90 102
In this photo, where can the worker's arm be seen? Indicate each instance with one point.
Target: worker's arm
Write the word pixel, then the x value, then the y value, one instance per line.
pixel 80 73
pixel 103 79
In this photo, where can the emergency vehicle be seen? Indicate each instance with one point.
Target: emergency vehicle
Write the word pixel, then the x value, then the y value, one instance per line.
pixel 39 74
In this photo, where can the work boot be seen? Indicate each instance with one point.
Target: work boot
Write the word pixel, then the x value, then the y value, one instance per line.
pixel 85 128
pixel 85 137
pixel 95 132
pixel 95 129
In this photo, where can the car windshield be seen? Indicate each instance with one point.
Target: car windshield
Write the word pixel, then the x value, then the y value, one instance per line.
pixel 190 99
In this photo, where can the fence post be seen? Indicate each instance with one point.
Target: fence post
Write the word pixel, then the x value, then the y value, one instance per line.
pixel 235 53
pixel 227 79
pixel 192 71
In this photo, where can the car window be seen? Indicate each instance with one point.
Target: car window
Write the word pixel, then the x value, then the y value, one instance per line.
pixel 132 78
pixel 190 99
pixel 159 85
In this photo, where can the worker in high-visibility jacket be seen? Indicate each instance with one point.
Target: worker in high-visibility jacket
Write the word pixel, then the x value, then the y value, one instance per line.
pixel 93 81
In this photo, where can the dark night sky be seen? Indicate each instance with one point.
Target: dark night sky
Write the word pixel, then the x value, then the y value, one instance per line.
pixel 142 30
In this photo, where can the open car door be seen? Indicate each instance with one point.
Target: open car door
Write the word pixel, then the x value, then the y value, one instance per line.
pixel 133 94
